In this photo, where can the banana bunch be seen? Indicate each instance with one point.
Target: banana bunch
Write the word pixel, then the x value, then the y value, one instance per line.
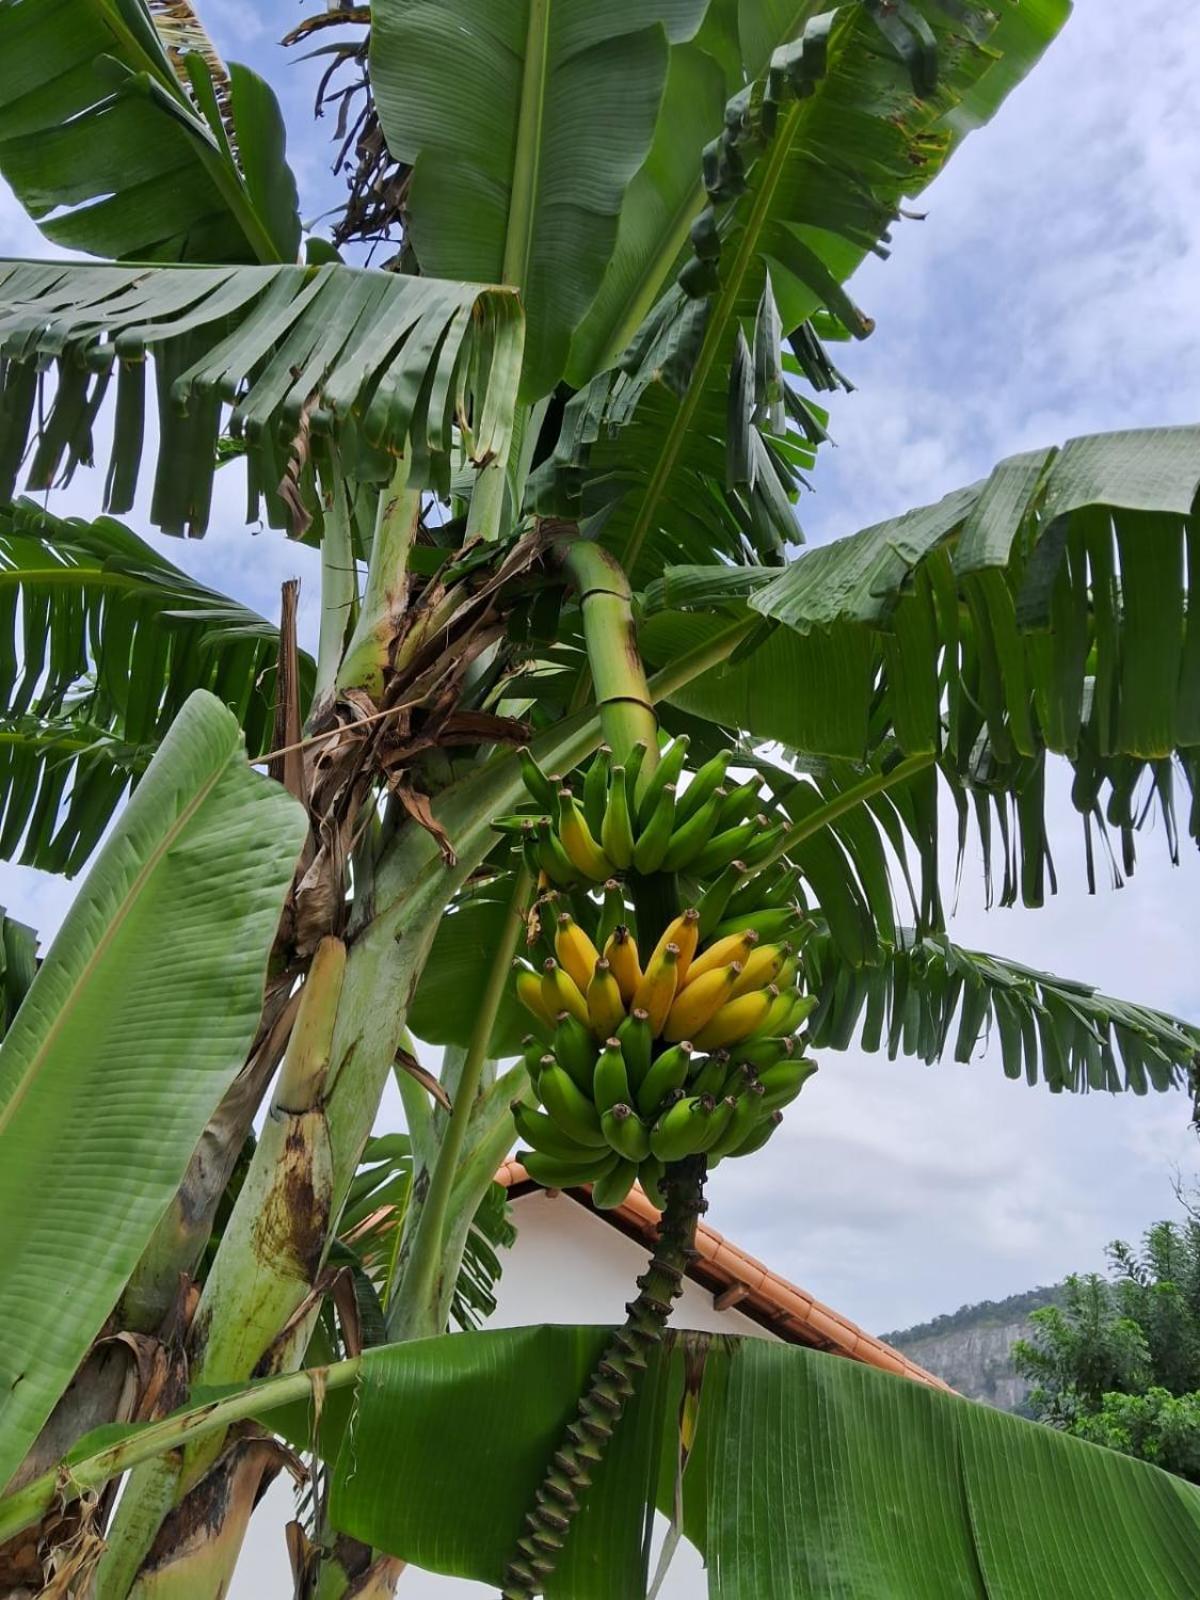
pixel 622 823
pixel 641 1061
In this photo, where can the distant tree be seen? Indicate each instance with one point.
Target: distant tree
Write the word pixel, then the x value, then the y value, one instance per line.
pixel 1118 1362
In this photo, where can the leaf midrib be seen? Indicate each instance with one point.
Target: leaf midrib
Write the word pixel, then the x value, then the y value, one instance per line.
pixel 19 1094
pixel 527 156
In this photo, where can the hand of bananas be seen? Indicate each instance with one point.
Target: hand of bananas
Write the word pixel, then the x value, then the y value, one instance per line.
pixel 639 1062
pixel 624 824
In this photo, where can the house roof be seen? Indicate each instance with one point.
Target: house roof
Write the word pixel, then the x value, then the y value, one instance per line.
pixel 737 1279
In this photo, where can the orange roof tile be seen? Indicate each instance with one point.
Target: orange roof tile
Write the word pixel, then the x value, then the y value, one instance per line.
pixel 787 1311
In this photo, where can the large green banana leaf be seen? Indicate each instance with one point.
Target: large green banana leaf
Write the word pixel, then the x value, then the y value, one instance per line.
pixel 811 1477
pixel 310 359
pixel 112 640
pixel 119 149
pixel 135 1025
pixel 524 122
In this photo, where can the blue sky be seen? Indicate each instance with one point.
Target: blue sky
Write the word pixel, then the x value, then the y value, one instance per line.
pixel 1050 291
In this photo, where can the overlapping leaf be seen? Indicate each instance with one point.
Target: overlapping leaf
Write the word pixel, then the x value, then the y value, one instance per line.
pixel 307 358
pixel 108 641
pixel 122 142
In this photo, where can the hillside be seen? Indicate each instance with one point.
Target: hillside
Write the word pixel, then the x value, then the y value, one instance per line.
pixel 970 1348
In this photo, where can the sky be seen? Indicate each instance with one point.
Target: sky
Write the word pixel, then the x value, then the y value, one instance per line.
pixel 1050 291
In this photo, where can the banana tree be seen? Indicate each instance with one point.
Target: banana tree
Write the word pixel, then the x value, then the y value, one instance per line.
pixel 550 466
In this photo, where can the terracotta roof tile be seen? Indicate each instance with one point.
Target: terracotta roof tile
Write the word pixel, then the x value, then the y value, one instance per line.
pixel 787 1310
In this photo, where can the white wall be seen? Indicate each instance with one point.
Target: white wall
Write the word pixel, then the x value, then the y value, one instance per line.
pixel 567 1265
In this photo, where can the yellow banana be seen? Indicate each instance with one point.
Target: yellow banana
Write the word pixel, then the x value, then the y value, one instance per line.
pixel 760 968
pixel 621 953
pixel 529 993
pixel 736 1020
pixel 657 989
pixel 575 951
pixel 684 934
pixel 560 992
pixel 606 1013
pixel 584 854
pixel 734 947
pixel 700 1001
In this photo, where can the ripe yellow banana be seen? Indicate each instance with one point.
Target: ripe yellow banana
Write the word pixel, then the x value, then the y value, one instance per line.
pixel 584 854
pixel 560 992
pixel 695 1005
pixel 576 953
pixel 684 934
pixel 529 993
pixel 657 988
pixel 606 1012
pixel 736 947
pixel 760 968
pixel 736 1020
pixel 622 956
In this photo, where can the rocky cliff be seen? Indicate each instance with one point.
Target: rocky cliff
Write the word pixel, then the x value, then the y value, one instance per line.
pixel 972 1348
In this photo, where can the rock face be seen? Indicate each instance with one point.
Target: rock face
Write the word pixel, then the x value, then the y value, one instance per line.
pixel 972 1348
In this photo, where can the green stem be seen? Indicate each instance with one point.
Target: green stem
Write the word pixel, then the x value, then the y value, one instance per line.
pixel 66 1483
pixel 618 676
pixel 414 1305
pixel 527 156
pixel 610 1388
pixel 699 661
pixel 653 277
pixel 876 784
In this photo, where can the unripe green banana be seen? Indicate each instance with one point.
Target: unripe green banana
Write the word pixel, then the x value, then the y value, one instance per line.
pixel 634 762
pixel 636 1044
pixel 763 847
pixel 665 773
pixel 610 1080
pixel 681 1130
pixel 738 803
pixel 552 1173
pixel 655 834
pixel 650 1176
pixel 747 1113
pixel 707 780
pixel 535 780
pixel 803 1006
pixel 584 854
pixel 530 851
pixel 553 859
pixel 560 992
pixel 668 1072
pixel 595 789
pixel 606 1011
pixel 542 1133
pixel 689 839
pixel 775 1023
pixel 574 1112
pixel 626 1132
pixel 729 845
pixel 773 888
pixel 549 907
pixel 613 913
pixel 776 922
pixel 783 1082
pixel 575 1049
pixel 718 896
pixel 616 826
pixel 711 1075
pixel 738 1078
pixel 758 1135
pixel 718 1119
pixel 763 1051
pixel 613 1185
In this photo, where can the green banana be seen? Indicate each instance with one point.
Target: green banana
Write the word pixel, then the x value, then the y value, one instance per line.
pixel 731 844
pixel 776 1021
pixel 707 780
pixel 763 1052
pixel 610 1080
pixel 595 789
pixel 764 845
pixel 553 859
pixel 613 1185
pixel 681 1130
pixel 575 1049
pixel 616 825
pixel 552 1173
pixel 690 839
pixel 737 803
pixel 775 923
pixel 668 1072
pixel 650 1176
pixel 803 1006
pixel 717 1120
pixel 666 772
pixel 626 1132
pixel 758 1135
pixel 535 780
pixel 633 771
pixel 782 1083
pixel 718 896
pixel 613 913
pixel 637 1041
pixel 529 850
pixel 584 854
pixel 770 888
pixel 747 1113
pixel 542 1133
pixel 655 833
pixel 569 1106
pixel 710 1079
